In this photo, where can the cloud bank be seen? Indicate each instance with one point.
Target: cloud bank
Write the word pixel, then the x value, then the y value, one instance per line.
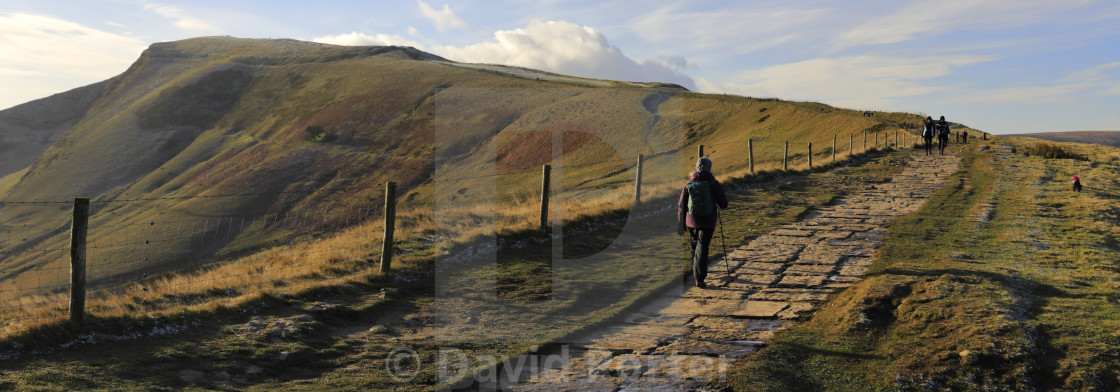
pixel 442 19
pixel 360 39
pixel 866 81
pixel 39 56
pixel 181 18
pixel 555 46
pixel 570 49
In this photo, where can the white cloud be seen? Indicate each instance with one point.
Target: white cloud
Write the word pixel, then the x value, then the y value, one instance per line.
pixel 1104 77
pixel 739 29
pixel 360 39
pixel 115 24
pixel 868 81
pixel 934 17
pixel 566 48
pixel 413 31
pixel 442 19
pixel 182 18
pixel 1094 74
pixel 707 86
pixel 675 62
pixel 1027 94
pixel 42 55
pixel 1093 79
pixel 6 71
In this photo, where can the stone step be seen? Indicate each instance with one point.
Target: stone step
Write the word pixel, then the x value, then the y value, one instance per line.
pixel 689 335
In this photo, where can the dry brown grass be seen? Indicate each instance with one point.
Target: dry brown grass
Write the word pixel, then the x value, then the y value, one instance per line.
pixel 350 255
pixel 253 147
pixel 341 258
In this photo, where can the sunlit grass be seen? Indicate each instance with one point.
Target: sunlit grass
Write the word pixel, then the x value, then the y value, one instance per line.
pixel 1004 280
pixel 389 117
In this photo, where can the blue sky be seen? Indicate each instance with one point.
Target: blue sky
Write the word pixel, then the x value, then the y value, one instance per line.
pixel 1002 66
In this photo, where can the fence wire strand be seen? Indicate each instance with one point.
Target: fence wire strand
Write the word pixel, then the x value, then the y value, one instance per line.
pixel 187 252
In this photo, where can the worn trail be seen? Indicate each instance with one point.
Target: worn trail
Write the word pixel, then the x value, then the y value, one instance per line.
pixel 688 336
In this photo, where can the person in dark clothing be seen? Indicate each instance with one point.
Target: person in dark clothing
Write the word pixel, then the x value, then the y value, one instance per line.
pixel 927 134
pixel 964 137
pixel 942 135
pixel 700 229
pixel 1076 184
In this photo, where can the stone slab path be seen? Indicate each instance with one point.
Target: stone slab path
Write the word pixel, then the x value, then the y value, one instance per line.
pixel 688 336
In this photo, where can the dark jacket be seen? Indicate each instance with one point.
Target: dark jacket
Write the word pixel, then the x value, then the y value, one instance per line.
pixel 720 198
pixel 942 129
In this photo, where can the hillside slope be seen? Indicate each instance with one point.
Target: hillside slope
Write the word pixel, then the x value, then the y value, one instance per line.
pixel 27 130
pixel 292 139
pixel 1104 138
pixel 259 166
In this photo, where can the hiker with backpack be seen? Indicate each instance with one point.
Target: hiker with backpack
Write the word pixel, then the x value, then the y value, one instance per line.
pixel 942 135
pixel 1076 184
pixel 698 211
pixel 927 134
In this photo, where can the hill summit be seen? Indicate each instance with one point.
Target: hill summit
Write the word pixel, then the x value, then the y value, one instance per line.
pixel 222 129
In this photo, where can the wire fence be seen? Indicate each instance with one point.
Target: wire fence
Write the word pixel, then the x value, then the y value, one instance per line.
pixel 145 254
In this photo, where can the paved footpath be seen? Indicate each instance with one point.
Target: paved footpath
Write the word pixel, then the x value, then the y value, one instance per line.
pixel 686 337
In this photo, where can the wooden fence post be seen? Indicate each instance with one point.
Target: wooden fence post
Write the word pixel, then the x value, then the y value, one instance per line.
pixel 785 158
pixel 895 139
pixel 546 174
pixel 750 153
pixel 851 144
pixel 876 140
pixel 833 147
pixel 864 141
pixel 390 222
pixel 78 231
pixel 810 155
pixel 700 151
pixel 638 182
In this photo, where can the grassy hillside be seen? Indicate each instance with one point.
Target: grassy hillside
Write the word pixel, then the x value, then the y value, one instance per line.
pixel 225 172
pixel 27 130
pixel 236 185
pixel 1005 280
pixel 1104 138
pixel 307 135
pixel 333 323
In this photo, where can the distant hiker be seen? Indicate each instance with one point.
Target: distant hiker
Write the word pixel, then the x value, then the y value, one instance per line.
pixel 1076 184
pixel 964 137
pixel 698 210
pixel 927 134
pixel 942 128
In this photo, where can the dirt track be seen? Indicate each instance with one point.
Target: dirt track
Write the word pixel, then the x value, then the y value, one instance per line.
pixel 686 337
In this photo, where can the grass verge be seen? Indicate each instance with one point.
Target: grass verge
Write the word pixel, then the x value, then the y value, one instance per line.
pixel 347 347
pixel 1002 281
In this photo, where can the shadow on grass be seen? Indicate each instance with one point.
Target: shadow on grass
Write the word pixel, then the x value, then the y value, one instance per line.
pixel 1013 283
pixel 1032 298
pixel 784 366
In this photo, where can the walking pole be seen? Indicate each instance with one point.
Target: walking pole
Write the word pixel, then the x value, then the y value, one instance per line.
pixel 723 240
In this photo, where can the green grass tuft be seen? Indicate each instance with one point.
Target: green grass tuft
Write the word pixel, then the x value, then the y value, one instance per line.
pixel 1051 151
